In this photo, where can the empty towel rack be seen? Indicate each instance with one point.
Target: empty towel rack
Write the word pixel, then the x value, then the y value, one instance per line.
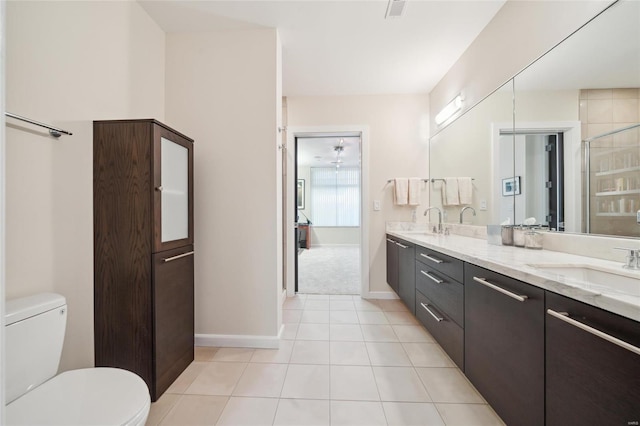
pixel 53 131
pixel 391 180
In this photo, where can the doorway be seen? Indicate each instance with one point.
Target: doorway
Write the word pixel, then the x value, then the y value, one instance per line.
pixel 327 250
pixel 327 206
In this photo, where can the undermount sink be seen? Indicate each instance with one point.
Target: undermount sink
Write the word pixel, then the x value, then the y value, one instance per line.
pixel 623 281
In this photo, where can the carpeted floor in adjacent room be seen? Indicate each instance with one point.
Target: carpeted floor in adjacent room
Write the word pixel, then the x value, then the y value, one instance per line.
pixel 329 270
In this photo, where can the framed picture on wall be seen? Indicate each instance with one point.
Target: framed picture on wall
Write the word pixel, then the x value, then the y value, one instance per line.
pixel 300 194
pixel 511 186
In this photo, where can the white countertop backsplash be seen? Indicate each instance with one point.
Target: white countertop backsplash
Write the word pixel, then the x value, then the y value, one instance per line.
pixel 514 262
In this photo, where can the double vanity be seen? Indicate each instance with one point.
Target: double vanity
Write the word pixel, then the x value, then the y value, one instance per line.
pixel 546 337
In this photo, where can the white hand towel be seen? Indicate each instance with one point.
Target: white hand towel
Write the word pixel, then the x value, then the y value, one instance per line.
pixel 401 186
pixel 414 191
pixel 465 190
pixel 450 192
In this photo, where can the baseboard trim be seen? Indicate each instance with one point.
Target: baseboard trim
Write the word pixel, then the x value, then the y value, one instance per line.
pixel 380 295
pixel 239 340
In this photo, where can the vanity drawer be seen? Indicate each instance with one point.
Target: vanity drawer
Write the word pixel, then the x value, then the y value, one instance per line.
pixel 446 293
pixel 446 332
pixel 441 262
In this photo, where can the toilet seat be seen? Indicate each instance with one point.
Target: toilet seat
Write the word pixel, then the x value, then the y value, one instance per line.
pixel 90 396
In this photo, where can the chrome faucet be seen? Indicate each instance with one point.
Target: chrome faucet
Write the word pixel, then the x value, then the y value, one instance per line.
pixel 632 259
pixel 439 217
pixel 465 208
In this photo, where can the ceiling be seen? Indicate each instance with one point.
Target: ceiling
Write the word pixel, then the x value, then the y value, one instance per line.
pixel 321 152
pixel 345 47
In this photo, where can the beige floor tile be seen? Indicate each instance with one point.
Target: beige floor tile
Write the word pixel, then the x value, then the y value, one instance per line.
pixel 401 318
pixel 233 355
pixel 378 333
pixel 317 305
pixel 315 317
pixel 345 332
pixel 392 305
pixel 342 305
pixel 289 331
pixel 249 411
pixel 448 385
pixel 412 414
pixel 306 382
pixel 195 410
pixel 412 334
pixel 310 352
pixel 400 384
pixel 217 378
pixel 348 297
pixel 291 316
pixel 187 377
pixel 388 354
pixel 302 412
pixel 349 353
pixel 261 380
pixel 427 355
pixel 313 332
pixel 276 356
pixel 204 353
pixel 292 303
pixel 468 415
pixel 318 297
pixel 357 413
pixel 372 317
pixel 353 383
pixel 343 317
pixel 161 407
pixel 366 305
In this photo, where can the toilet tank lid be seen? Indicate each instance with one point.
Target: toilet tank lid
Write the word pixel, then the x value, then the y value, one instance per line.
pixel 26 307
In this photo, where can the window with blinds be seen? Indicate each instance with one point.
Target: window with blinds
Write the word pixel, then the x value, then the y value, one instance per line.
pixel 335 196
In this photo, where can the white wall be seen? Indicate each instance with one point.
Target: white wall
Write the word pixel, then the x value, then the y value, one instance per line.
pixel 68 63
pixel 2 204
pixel 223 90
pixel 519 33
pixel 398 147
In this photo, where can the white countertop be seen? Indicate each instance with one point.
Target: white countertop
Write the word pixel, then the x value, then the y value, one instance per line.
pixel 514 262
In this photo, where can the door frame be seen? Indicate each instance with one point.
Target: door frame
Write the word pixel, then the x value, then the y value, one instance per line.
pixel 297 132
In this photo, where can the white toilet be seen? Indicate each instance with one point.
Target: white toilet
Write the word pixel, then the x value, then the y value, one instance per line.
pixel 35 328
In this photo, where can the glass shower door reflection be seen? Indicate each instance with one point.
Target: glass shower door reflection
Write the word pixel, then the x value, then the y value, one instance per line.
pixel 175 191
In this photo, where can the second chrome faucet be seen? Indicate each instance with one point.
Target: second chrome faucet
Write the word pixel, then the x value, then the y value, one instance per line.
pixel 439 217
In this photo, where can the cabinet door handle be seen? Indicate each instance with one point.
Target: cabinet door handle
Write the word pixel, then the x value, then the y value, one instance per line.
pixel 439 281
pixel 433 259
pixel 519 297
pixel 169 259
pixel 564 316
pixel 159 188
pixel 390 240
pixel 401 245
pixel 426 307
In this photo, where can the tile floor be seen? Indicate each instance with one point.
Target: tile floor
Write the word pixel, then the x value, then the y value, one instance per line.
pixel 342 361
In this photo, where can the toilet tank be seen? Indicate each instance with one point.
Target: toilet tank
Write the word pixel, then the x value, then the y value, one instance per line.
pixel 34 333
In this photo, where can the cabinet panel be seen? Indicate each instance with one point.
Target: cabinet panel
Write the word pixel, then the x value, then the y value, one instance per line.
pixel 392 264
pixel 447 333
pixel 504 345
pixel 406 274
pixel 446 293
pixel 173 314
pixel 441 262
pixel 588 379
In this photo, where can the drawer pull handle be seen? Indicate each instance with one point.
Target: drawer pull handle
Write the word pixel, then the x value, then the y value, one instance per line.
pixel 169 259
pixel 437 318
pixel 433 259
pixel 439 281
pixel 564 316
pixel 401 245
pixel 518 297
pixel 390 240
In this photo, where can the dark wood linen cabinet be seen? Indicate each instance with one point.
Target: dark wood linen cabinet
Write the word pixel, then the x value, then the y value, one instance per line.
pixel 143 250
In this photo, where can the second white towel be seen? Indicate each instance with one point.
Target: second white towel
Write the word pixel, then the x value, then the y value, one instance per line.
pixel 414 191
pixel 450 192
pixel 465 190
pixel 401 187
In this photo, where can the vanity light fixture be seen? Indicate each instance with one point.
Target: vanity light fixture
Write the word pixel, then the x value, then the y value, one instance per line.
pixel 449 110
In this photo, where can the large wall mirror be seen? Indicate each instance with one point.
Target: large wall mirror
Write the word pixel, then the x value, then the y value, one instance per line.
pixel 574 145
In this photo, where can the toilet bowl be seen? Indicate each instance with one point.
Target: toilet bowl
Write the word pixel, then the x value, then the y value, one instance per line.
pixel 92 396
